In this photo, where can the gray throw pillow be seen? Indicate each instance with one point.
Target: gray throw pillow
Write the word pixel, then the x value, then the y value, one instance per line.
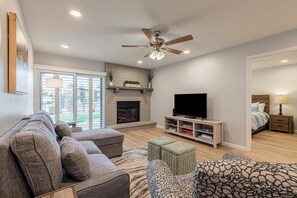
pixel 62 129
pixel 39 156
pixel 75 159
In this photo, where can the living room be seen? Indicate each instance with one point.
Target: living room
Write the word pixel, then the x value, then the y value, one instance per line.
pixel 85 50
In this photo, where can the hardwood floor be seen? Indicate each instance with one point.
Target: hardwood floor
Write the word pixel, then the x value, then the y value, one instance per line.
pixel 267 146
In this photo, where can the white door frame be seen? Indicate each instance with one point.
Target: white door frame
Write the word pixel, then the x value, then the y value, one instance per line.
pixel 248 88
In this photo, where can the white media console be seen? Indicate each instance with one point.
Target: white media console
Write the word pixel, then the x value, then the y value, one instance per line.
pixel 207 131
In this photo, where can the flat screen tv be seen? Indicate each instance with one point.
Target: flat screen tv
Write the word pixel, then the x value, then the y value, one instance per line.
pixel 191 105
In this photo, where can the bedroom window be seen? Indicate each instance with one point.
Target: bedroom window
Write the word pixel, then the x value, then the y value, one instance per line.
pixel 80 99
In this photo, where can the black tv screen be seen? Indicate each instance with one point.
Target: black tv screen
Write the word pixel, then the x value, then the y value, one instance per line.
pixel 191 105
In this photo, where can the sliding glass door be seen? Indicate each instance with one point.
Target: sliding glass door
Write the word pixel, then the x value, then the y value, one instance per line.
pixel 83 101
pixel 48 100
pixel 80 99
pixel 97 100
pixel 66 108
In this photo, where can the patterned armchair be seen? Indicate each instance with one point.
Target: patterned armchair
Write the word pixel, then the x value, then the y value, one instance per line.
pixel 233 176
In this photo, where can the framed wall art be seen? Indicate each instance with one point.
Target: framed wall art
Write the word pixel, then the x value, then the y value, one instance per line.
pixel 17 57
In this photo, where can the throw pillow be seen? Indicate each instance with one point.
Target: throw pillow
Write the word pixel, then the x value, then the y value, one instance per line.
pixel 39 156
pixel 75 159
pixel 62 129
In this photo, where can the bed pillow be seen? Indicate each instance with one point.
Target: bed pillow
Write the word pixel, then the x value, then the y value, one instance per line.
pixel 261 107
pixel 255 107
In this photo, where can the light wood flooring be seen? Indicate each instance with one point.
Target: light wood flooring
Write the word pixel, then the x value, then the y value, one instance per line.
pixel 267 146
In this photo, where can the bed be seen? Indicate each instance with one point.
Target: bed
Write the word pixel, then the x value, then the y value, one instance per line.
pixel 260 120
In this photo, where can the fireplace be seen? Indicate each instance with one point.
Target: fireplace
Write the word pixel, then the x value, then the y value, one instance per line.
pixel 127 111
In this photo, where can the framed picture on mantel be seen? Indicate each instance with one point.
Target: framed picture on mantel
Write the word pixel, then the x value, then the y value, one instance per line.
pixel 17 57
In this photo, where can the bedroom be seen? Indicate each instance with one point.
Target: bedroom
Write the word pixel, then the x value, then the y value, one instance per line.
pixel 274 82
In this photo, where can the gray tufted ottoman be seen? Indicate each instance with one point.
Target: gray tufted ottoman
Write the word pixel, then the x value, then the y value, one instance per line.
pixel 155 147
pixel 180 157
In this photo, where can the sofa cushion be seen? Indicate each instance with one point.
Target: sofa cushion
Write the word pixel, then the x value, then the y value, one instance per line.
pixel 90 147
pixel 46 120
pixel 39 156
pixel 75 159
pixel 100 137
pixel 62 129
pixel 101 165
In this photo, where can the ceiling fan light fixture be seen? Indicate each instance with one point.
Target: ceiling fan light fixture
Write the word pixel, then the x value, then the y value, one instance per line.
pixel 157 55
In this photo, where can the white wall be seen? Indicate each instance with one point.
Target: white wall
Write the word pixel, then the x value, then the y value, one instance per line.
pixel 222 75
pixel 63 61
pixel 275 81
pixel 12 106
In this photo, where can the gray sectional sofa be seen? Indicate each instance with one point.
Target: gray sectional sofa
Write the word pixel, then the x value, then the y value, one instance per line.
pixel 106 179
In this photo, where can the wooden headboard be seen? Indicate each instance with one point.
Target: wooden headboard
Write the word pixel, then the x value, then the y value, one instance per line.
pixel 262 99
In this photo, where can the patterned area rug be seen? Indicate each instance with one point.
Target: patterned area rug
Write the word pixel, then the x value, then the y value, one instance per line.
pixel 134 161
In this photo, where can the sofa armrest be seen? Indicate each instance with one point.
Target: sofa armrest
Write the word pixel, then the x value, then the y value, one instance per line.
pixel 76 129
pixel 243 179
pixel 162 183
pixel 235 157
pixel 114 184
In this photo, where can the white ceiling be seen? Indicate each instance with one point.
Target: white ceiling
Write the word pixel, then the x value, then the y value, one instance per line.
pixel 105 25
pixel 275 60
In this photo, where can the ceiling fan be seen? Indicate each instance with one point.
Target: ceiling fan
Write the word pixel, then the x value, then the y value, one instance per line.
pixel 157 44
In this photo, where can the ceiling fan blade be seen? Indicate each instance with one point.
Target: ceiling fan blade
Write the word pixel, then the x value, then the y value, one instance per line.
pixel 135 46
pixel 180 40
pixel 172 50
pixel 149 34
pixel 149 53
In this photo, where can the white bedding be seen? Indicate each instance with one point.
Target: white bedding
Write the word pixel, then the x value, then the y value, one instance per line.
pixel 259 119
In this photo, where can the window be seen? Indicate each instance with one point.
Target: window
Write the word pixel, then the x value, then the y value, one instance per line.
pixel 48 102
pixel 66 110
pixel 97 110
pixel 80 99
pixel 83 102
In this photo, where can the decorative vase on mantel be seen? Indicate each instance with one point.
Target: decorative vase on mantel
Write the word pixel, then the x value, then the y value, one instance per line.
pixel 150 85
pixel 110 83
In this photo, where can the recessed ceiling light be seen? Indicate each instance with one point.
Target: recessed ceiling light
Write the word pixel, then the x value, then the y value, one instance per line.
pixel 187 51
pixel 139 62
pixel 75 13
pixel 284 61
pixel 65 46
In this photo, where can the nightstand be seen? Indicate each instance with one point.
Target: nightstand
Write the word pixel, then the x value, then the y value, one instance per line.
pixel 68 192
pixel 281 123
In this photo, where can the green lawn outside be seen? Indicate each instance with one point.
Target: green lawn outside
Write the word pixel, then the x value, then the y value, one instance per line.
pixel 81 118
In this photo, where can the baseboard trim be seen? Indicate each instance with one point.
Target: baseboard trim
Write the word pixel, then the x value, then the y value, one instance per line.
pixel 160 127
pixel 234 146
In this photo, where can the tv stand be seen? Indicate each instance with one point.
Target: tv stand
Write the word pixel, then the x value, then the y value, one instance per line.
pixel 192 117
pixel 207 131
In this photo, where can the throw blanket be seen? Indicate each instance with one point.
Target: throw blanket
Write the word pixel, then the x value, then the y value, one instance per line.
pixel 259 119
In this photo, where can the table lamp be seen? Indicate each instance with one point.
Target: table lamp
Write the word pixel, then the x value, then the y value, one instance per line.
pixel 280 100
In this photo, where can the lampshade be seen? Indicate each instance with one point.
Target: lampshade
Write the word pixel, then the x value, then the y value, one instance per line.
pixel 53 83
pixel 157 55
pixel 280 99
